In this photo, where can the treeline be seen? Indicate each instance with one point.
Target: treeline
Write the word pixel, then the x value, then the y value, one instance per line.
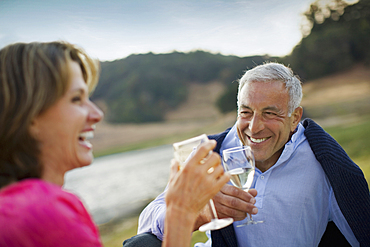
pixel 339 37
pixel 142 88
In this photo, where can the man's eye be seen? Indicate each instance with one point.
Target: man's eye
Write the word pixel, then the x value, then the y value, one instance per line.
pixel 244 113
pixel 270 114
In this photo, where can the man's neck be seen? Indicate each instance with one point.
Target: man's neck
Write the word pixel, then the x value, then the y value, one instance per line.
pixel 267 164
pixel 263 167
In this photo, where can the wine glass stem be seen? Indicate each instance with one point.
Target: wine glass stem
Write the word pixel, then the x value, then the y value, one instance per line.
pixel 213 208
pixel 250 216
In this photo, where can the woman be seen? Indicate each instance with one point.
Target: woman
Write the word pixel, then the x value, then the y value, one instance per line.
pixel 46 119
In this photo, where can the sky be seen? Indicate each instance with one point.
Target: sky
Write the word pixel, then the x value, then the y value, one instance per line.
pixel 114 29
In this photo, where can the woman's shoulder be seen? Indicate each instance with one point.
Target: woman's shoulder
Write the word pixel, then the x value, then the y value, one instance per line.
pixel 36 195
pixel 30 190
pixel 31 208
pixel 32 196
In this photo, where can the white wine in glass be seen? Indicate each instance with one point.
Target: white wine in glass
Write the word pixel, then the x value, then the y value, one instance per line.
pixel 239 163
pixel 182 152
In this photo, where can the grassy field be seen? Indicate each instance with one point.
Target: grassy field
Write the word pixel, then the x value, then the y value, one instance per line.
pixel 355 140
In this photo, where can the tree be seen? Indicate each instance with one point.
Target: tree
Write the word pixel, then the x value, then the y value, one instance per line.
pixel 336 36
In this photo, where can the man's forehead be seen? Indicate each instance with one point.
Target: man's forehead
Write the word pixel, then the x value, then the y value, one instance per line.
pixel 262 87
pixel 264 95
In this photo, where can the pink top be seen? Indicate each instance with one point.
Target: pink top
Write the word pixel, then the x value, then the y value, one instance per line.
pixel 37 213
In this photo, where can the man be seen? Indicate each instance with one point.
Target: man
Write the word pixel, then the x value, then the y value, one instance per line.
pixel 309 192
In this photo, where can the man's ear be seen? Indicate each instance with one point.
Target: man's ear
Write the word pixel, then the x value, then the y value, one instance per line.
pixel 296 117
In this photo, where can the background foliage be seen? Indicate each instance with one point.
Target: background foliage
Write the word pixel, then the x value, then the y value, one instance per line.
pixel 339 38
pixel 142 88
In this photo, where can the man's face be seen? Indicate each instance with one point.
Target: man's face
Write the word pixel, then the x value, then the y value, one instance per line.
pixel 263 122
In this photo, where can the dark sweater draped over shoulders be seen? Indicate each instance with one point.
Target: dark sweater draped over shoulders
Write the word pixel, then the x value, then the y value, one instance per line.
pixel 346 178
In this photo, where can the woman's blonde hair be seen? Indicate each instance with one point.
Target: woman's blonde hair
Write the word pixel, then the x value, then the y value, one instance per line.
pixel 33 77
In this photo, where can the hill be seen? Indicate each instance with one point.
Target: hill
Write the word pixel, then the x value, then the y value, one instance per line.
pixel 143 88
pixel 344 95
pixel 341 98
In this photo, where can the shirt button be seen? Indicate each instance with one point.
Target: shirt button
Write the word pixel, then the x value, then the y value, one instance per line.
pixel 262 177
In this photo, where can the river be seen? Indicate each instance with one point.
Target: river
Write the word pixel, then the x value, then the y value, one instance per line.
pixel 117 185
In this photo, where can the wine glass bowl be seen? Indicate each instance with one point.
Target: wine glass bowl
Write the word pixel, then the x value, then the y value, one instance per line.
pixel 183 149
pixel 240 164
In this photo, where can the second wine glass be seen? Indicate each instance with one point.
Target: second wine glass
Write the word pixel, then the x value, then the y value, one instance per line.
pixel 183 151
pixel 239 163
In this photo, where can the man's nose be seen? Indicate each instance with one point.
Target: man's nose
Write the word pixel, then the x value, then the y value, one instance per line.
pixel 256 124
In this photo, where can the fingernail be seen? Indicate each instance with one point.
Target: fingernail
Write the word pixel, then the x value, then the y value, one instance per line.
pixel 252 200
pixel 255 211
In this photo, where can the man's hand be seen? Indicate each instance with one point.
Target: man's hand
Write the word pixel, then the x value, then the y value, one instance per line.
pixel 230 202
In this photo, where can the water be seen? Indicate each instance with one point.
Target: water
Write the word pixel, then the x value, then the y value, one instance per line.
pixel 117 185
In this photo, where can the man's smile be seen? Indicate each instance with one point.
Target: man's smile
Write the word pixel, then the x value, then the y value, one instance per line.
pixel 258 140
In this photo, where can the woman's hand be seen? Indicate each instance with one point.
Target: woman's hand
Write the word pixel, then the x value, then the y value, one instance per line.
pixel 189 191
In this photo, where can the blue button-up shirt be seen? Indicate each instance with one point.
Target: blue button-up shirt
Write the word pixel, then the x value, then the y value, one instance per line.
pixel 295 201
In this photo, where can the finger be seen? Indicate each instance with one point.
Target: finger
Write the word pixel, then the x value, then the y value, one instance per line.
pixel 253 192
pixel 233 204
pixel 227 212
pixel 203 150
pixel 219 175
pixel 218 178
pixel 237 210
pixel 238 193
pixel 217 171
pixel 222 180
pixel 212 161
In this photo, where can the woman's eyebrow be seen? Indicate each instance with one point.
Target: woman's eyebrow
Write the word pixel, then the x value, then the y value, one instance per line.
pixel 79 90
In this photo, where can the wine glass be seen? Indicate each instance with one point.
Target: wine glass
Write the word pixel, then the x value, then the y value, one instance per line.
pixel 183 151
pixel 239 163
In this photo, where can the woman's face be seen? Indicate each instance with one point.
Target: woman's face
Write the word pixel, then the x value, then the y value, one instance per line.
pixel 63 129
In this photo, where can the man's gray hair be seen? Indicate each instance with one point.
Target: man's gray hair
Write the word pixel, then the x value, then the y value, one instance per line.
pixel 275 72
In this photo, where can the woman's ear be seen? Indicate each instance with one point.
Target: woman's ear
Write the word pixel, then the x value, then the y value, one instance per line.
pixel 34 129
